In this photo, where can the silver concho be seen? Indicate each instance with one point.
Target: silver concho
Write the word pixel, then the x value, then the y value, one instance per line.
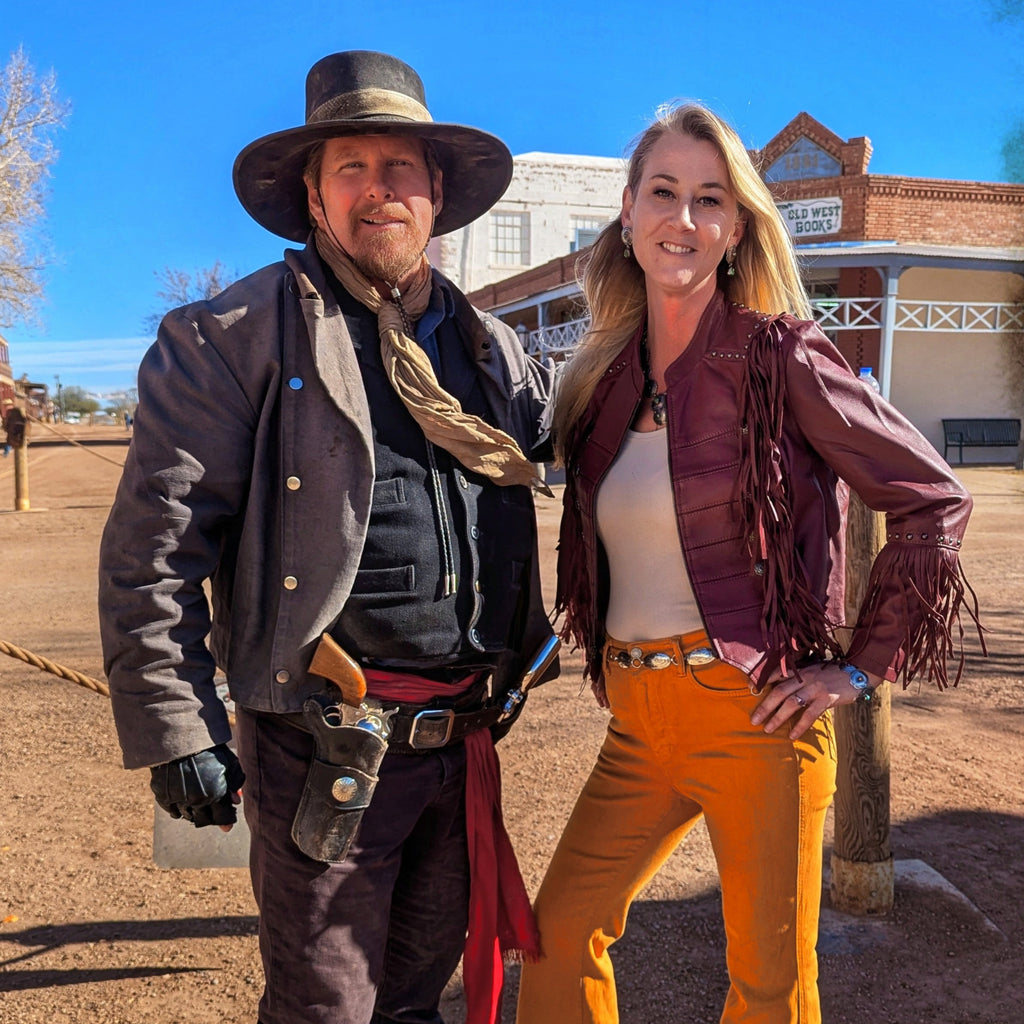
pixel 700 656
pixel 658 660
pixel 344 789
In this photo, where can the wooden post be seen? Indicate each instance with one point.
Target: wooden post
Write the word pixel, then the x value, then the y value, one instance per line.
pixel 21 503
pixel 16 428
pixel 863 872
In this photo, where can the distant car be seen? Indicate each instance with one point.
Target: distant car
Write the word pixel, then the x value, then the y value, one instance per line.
pixel 72 417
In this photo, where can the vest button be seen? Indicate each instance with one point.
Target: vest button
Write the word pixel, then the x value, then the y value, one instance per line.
pixel 474 635
pixel 463 482
pixel 282 675
pixel 290 583
pixel 295 383
pixel 293 483
pixel 474 532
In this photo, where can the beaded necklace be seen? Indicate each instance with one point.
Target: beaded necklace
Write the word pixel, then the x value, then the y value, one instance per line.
pixel 656 398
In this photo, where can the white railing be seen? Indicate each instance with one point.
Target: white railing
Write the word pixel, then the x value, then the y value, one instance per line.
pixel 548 342
pixel 847 314
pixel 857 314
pixel 959 316
pixel 862 314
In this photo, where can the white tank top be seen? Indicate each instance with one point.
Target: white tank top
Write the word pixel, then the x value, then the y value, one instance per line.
pixel 650 596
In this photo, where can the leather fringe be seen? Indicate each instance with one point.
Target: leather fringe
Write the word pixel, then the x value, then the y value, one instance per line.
pixel 573 589
pixel 929 586
pixel 794 623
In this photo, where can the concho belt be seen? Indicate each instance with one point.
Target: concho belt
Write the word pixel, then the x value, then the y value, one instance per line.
pixel 634 657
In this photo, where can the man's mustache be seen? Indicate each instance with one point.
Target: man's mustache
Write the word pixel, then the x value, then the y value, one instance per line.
pixel 392 211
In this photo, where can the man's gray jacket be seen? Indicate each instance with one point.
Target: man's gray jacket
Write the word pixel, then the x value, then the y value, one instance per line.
pixel 251 466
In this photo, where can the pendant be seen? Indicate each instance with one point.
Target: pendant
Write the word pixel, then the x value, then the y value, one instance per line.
pixel 650 387
pixel 658 409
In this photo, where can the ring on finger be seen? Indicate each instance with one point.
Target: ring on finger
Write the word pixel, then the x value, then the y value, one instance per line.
pixel 800 700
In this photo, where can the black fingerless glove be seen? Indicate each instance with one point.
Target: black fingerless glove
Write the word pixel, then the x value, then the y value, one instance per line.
pixel 198 788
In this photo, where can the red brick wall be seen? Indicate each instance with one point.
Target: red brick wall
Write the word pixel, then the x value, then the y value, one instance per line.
pixel 917 210
pixel 860 348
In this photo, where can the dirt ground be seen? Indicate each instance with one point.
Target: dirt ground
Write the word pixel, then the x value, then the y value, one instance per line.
pixel 92 930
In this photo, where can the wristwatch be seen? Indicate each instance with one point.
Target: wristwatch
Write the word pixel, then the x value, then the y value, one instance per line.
pixel 859 681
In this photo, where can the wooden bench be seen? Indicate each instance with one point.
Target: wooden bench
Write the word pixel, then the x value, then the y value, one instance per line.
pixel 979 433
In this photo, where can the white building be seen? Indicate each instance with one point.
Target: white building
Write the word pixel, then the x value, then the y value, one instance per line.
pixel 555 205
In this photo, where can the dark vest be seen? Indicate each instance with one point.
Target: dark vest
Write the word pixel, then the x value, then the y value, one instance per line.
pixel 442 575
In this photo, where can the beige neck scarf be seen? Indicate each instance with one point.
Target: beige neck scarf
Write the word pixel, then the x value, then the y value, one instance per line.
pixel 477 445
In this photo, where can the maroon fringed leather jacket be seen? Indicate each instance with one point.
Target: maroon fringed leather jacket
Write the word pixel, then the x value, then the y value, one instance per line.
pixel 766 421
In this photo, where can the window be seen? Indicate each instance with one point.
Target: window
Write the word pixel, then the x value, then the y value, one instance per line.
pixel 585 231
pixel 510 239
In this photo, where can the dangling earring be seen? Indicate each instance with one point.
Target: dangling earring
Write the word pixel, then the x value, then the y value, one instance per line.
pixel 730 259
pixel 627 241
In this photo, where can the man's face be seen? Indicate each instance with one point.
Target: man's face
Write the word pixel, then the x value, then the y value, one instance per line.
pixel 374 196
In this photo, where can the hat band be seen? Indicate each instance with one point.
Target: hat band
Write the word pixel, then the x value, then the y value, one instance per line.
pixel 362 103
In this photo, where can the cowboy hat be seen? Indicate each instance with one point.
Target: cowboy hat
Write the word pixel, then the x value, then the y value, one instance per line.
pixel 359 92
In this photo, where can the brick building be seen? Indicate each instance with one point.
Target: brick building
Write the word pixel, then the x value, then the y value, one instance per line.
pixel 920 279
pixel 6 380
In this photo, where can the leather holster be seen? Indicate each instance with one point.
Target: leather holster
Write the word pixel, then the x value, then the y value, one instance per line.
pixel 341 780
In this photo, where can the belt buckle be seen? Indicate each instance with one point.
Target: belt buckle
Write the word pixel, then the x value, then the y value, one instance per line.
pixel 431 728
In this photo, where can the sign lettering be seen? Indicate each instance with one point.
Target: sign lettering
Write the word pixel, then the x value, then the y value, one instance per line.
pixel 806 217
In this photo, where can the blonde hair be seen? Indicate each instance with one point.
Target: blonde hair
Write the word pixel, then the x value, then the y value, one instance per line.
pixel 767 276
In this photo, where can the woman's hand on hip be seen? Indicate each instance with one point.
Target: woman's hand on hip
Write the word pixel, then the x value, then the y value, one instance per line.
pixel 802 700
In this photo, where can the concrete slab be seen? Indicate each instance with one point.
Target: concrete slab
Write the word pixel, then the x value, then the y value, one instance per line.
pixel 923 876
pixel 840 934
pixel 179 844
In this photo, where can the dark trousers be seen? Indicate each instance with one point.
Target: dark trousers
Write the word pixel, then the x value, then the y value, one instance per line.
pixel 373 940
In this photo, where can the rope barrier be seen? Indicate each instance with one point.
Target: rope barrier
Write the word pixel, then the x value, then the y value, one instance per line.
pixel 77 444
pixel 70 674
pixel 54 669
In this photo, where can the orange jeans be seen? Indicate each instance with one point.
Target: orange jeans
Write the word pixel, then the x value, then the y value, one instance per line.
pixel 680 744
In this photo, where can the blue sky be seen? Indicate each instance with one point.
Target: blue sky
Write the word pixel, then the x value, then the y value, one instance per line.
pixel 165 95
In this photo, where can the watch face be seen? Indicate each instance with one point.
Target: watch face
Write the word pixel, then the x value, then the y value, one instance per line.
pixel 857 678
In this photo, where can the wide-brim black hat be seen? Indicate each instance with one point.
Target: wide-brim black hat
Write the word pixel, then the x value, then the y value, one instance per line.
pixel 359 92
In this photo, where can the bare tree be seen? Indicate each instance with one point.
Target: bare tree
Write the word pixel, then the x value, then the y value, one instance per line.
pixel 1013 154
pixel 1010 14
pixel 122 405
pixel 179 288
pixel 30 112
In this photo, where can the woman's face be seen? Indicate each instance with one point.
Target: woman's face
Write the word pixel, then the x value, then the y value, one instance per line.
pixel 683 215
